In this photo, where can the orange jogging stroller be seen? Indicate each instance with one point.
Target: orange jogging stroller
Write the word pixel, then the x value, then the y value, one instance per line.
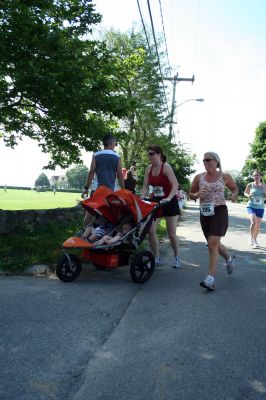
pixel 116 207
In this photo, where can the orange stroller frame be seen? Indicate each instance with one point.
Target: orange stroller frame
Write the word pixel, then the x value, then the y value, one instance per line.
pixel 116 207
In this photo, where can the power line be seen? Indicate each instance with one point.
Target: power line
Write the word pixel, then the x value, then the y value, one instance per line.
pixel 143 24
pixel 147 39
pixel 158 57
pixel 164 34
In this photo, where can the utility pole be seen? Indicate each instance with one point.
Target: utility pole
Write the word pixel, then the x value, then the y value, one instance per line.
pixel 175 79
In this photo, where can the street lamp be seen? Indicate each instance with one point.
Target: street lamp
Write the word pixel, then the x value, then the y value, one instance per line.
pixel 173 110
pixel 185 101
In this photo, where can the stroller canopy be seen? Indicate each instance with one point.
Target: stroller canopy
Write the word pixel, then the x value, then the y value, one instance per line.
pixel 118 205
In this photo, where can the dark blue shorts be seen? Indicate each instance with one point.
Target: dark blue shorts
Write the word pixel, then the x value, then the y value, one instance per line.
pixel 259 212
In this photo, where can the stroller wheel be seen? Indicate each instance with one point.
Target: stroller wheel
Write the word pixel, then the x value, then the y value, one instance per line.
pixel 142 267
pixel 68 267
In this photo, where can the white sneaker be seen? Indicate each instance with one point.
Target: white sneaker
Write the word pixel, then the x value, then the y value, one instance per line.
pixel 251 242
pixel 158 261
pixel 177 262
pixel 208 283
pixel 230 264
pixel 255 244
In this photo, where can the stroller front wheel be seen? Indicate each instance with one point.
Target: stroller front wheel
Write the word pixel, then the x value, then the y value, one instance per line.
pixel 142 267
pixel 68 268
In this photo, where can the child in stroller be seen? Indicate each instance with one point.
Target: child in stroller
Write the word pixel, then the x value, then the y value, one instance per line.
pixel 131 218
pixel 98 229
pixel 119 234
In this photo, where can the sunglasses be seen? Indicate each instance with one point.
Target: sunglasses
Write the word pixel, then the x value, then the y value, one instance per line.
pixel 151 153
pixel 207 159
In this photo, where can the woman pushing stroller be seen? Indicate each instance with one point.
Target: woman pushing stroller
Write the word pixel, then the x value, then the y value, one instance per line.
pixel 161 177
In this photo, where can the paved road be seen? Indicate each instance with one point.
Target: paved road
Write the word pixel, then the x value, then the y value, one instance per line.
pixel 104 338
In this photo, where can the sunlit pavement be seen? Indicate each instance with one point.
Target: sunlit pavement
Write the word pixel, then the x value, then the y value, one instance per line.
pixel 179 341
pixel 105 338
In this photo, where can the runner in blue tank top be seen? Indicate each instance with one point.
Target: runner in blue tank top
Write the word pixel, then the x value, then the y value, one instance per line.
pixel 106 166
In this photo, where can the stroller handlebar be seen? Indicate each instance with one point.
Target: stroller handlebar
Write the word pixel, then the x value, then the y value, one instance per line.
pixel 164 201
pixel 159 202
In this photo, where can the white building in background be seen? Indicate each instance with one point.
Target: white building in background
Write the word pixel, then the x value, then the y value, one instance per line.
pixel 59 181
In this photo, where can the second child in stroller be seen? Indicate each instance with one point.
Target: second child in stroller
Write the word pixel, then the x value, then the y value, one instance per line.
pixel 119 234
pixel 96 231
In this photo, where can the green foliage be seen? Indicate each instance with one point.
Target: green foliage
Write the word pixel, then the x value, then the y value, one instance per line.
pixel 55 84
pixel 138 78
pixel 76 176
pixel 240 180
pixel 35 246
pixel 42 180
pixel 65 90
pixel 177 156
pixel 182 163
pixel 258 147
pixel 257 157
pixel 161 229
pixel 241 183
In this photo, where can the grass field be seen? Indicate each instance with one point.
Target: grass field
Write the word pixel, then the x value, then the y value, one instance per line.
pixel 31 200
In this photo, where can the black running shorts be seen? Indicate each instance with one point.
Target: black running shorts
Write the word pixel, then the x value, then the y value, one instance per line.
pixel 217 224
pixel 170 209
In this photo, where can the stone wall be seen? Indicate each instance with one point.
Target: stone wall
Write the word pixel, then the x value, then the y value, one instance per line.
pixel 12 221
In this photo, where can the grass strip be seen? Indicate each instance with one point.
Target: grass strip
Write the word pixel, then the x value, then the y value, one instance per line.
pixel 35 246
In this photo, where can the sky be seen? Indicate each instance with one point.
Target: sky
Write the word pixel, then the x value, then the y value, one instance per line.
pixel 221 43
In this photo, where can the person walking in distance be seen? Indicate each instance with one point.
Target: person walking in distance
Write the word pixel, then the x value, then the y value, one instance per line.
pixel 209 188
pixel 161 178
pixel 256 193
pixel 106 166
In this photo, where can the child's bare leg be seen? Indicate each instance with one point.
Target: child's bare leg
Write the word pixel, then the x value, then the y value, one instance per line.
pixel 93 237
pixel 87 232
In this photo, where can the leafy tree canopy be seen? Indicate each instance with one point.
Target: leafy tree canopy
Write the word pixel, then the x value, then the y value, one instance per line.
pixel 55 85
pixel 146 120
pixel 67 91
pixel 257 156
pixel 240 180
pixel 258 147
pixel 76 176
pixel 139 80
pixel 42 180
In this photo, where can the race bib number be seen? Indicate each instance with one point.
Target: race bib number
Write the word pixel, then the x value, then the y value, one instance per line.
pixel 257 200
pixel 207 209
pixel 158 191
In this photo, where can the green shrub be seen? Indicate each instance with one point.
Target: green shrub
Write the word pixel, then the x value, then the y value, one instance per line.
pixel 35 246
